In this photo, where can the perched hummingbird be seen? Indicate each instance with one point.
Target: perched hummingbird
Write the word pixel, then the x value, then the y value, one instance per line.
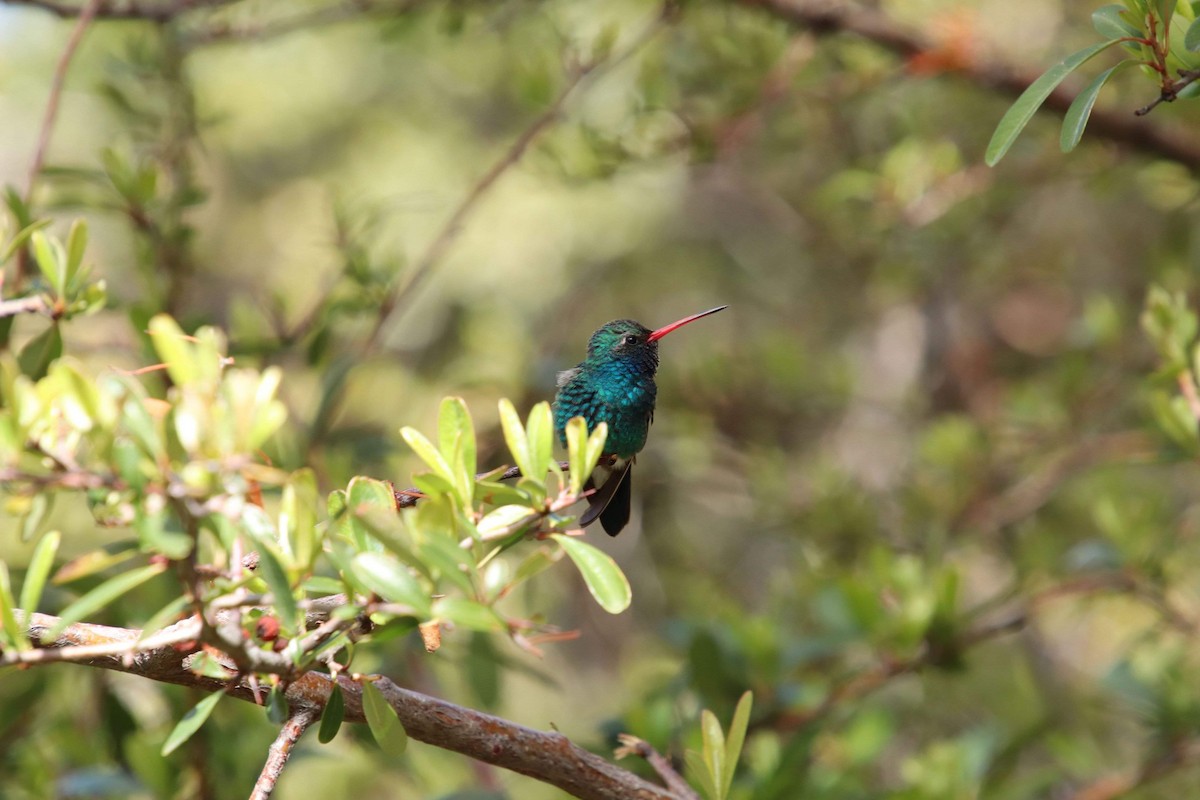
pixel 614 385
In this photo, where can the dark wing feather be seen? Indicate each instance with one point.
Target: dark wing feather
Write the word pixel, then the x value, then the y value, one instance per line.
pixel 610 503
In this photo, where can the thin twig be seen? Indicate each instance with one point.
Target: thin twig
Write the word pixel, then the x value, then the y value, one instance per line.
pixel 24 305
pixel 86 14
pixel 633 746
pixel 1170 91
pixel 436 250
pixel 293 728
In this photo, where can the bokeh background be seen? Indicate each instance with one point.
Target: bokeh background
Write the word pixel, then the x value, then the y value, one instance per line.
pixel 928 408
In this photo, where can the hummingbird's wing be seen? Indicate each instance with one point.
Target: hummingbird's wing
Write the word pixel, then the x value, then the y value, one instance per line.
pixel 566 376
pixel 611 501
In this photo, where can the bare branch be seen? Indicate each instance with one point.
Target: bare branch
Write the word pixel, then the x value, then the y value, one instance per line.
pixel 633 746
pixel 546 756
pixel 123 9
pixel 24 305
pixel 295 726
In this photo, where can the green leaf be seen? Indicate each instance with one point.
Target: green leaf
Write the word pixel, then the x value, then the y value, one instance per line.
pixel 39 571
pixel 603 577
pixel 391 580
pixel 272 571
pixel 363 496
pixel 456 439
pixel 515 438
pixel 1019 114
pixel 40 351
pixel 467 614
pixel 39 505
pixel 700 775
pixel 165 616
pixel 505 520
pixel 51 261
pixel 332 715
pixel 1109 21
pixel 190 723
pixel 428 453
pixel 539 429
pixel 277 705
pixel 103 595
pixel 381 718
pixel 298 517
pixel 14 632
pixel 735 739
pixel 22 236
pixel 714 750
pixel 583 450
pixel 172 346
pixel 1076 118
pixel 96 561
pixel 1191 39
pixel 77 241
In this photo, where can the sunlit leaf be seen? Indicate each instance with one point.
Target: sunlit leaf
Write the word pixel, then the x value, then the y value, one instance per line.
pixel 173 349
pixel 391 580
pixel 603 577
pixel 39 570
pixel 428 453
pixel 273 572
pixel 14 632
pixel 516 439
pixel 456 440
pixel 191 722
pixel 734 740
pixel 539 430
pixel 714 750
pixel 467 614
pixel 103 595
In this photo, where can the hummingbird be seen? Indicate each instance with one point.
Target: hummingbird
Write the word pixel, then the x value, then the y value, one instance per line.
pixel 615 384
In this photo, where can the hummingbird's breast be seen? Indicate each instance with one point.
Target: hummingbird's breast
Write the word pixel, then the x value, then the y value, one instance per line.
pixel 615 393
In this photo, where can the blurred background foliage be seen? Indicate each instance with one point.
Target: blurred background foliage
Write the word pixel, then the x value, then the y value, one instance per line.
pixel 912 488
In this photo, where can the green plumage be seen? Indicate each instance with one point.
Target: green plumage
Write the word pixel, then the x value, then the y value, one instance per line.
pixel 615 384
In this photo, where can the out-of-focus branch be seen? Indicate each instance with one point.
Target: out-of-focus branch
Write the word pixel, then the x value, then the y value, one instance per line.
pixel 549 757
pixel 449 231
pixel 123 9
pixel 837 16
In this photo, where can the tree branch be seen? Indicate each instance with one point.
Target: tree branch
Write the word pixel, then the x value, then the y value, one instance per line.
pixel 123 9
pixel 549 757
pixel 295 726
pixel 837 16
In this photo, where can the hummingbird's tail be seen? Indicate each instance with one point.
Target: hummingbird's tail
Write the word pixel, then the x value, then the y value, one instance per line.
pixel 611 502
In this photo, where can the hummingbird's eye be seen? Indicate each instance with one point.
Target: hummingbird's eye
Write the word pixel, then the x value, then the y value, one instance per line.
pixel 630 339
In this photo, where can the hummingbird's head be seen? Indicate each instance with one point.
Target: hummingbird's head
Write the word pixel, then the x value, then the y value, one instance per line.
pixel 623 339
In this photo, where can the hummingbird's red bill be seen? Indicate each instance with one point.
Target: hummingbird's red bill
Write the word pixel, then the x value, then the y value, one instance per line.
pixel 664 330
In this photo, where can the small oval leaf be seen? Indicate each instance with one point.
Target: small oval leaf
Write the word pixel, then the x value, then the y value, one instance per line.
pixel 603 577
pixel 332 716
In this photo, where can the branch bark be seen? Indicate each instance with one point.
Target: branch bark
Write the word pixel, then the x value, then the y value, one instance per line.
pixel 546 756
pixel 835 16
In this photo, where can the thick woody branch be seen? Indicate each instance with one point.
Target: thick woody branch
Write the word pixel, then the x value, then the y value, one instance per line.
pixel 546 756
pixel 836 16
